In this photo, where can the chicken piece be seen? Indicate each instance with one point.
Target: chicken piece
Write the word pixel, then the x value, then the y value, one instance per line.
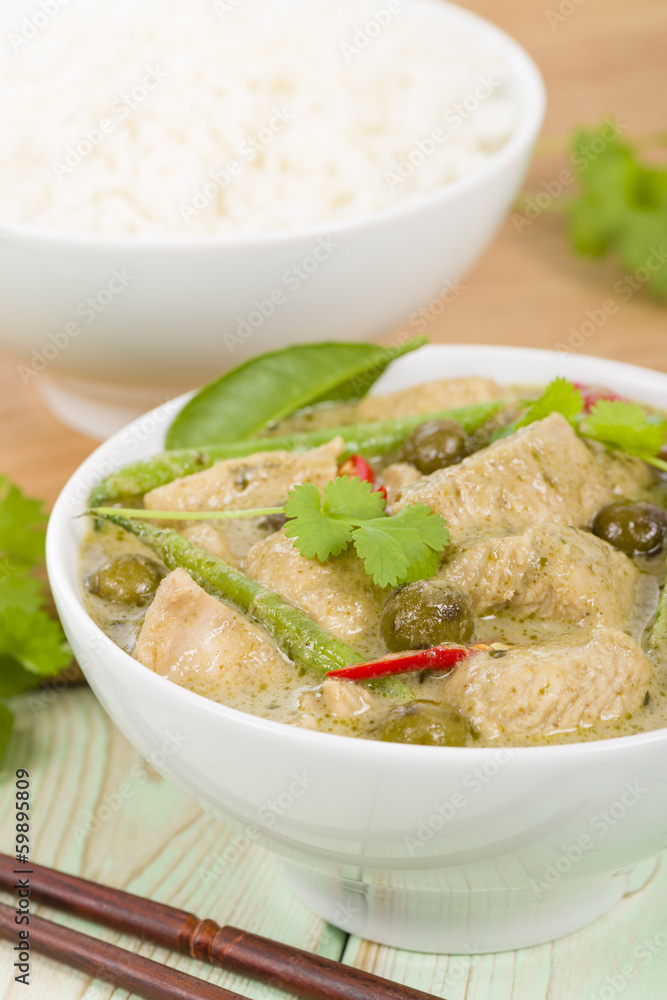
pixel 544 472
pixel 554 688
pixel 204 645
pixel 442 394
pixel 260 480
pixel 626 476
pixel 337 594
pixel 348 700
pixel 549 570
pixel 395 477
pixel 206 536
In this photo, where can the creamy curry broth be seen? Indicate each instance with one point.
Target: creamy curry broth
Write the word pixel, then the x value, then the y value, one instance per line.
pixel 300 700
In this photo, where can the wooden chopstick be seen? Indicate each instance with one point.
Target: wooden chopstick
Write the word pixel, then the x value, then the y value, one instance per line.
pixel 115 965
pixel 286 968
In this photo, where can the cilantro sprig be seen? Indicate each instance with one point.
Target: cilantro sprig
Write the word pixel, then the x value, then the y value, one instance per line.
pixel 618 424
pixel 32 644
pixel 398 549
pixel 394 550
pixel 621 208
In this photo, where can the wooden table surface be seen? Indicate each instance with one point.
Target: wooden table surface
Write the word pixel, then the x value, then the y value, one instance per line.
pixel 599 58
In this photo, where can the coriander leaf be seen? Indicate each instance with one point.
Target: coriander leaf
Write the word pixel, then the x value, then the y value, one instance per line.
pixel 560 396
pixel 352 498
pixel 626 427
pixel 621 208
pixel 402 548
pixel 21 524
pixel 34 640
pixel 14 680
pixel 6 726
pixel 315 533
pixel 18 589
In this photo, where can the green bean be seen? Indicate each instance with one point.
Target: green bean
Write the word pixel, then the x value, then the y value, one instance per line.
pixel 304 641
pixel 373 439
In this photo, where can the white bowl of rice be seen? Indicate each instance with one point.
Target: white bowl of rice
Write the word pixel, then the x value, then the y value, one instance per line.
pixel 182 186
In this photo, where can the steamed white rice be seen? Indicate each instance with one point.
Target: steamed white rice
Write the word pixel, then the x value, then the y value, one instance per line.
pixel 165 117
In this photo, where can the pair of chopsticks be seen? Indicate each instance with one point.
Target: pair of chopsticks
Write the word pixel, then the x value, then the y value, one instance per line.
pixel 285 968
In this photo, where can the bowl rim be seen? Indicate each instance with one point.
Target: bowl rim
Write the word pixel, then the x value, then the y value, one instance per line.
pixel 361 749
pixel 524 75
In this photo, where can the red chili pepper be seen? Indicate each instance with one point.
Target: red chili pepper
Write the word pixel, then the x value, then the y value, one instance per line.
pixel 435 658
pixel 590 395
pixel 355 465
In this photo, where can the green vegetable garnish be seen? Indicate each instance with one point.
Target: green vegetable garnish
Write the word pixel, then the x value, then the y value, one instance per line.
pixel 559 396
pixel 271 386
pixel 622 208
pixel 394 550
pixel 32 645
pixel 626 427
pixel 621 425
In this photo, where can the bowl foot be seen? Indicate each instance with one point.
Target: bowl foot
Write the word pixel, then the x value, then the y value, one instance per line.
pixel 462 923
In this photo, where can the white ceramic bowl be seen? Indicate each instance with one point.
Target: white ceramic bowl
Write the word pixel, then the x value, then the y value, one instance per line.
pixel 163 326
pixel 435 849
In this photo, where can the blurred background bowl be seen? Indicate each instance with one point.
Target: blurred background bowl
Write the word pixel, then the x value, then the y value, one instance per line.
pixel 120 323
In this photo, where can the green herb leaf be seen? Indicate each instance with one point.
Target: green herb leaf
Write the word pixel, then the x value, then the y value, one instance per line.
pixel 560 396
pixel 270 386
pixel 402 548
pixel 319 536
pixel 34 641
pixel 352 498
pixel 21 525
pixel 18 589
pixel 622 207
pixel 14 680
pixel 6 727
pixel 323 526
pixel 626 427
pixel 393 549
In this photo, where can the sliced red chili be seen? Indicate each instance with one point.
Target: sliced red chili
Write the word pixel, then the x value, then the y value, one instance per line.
pixel 591 394
pixel 435 658
pixel 355 465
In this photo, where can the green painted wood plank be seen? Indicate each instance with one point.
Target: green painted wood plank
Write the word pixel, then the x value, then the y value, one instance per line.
pixel 622 956
pixel 99 811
